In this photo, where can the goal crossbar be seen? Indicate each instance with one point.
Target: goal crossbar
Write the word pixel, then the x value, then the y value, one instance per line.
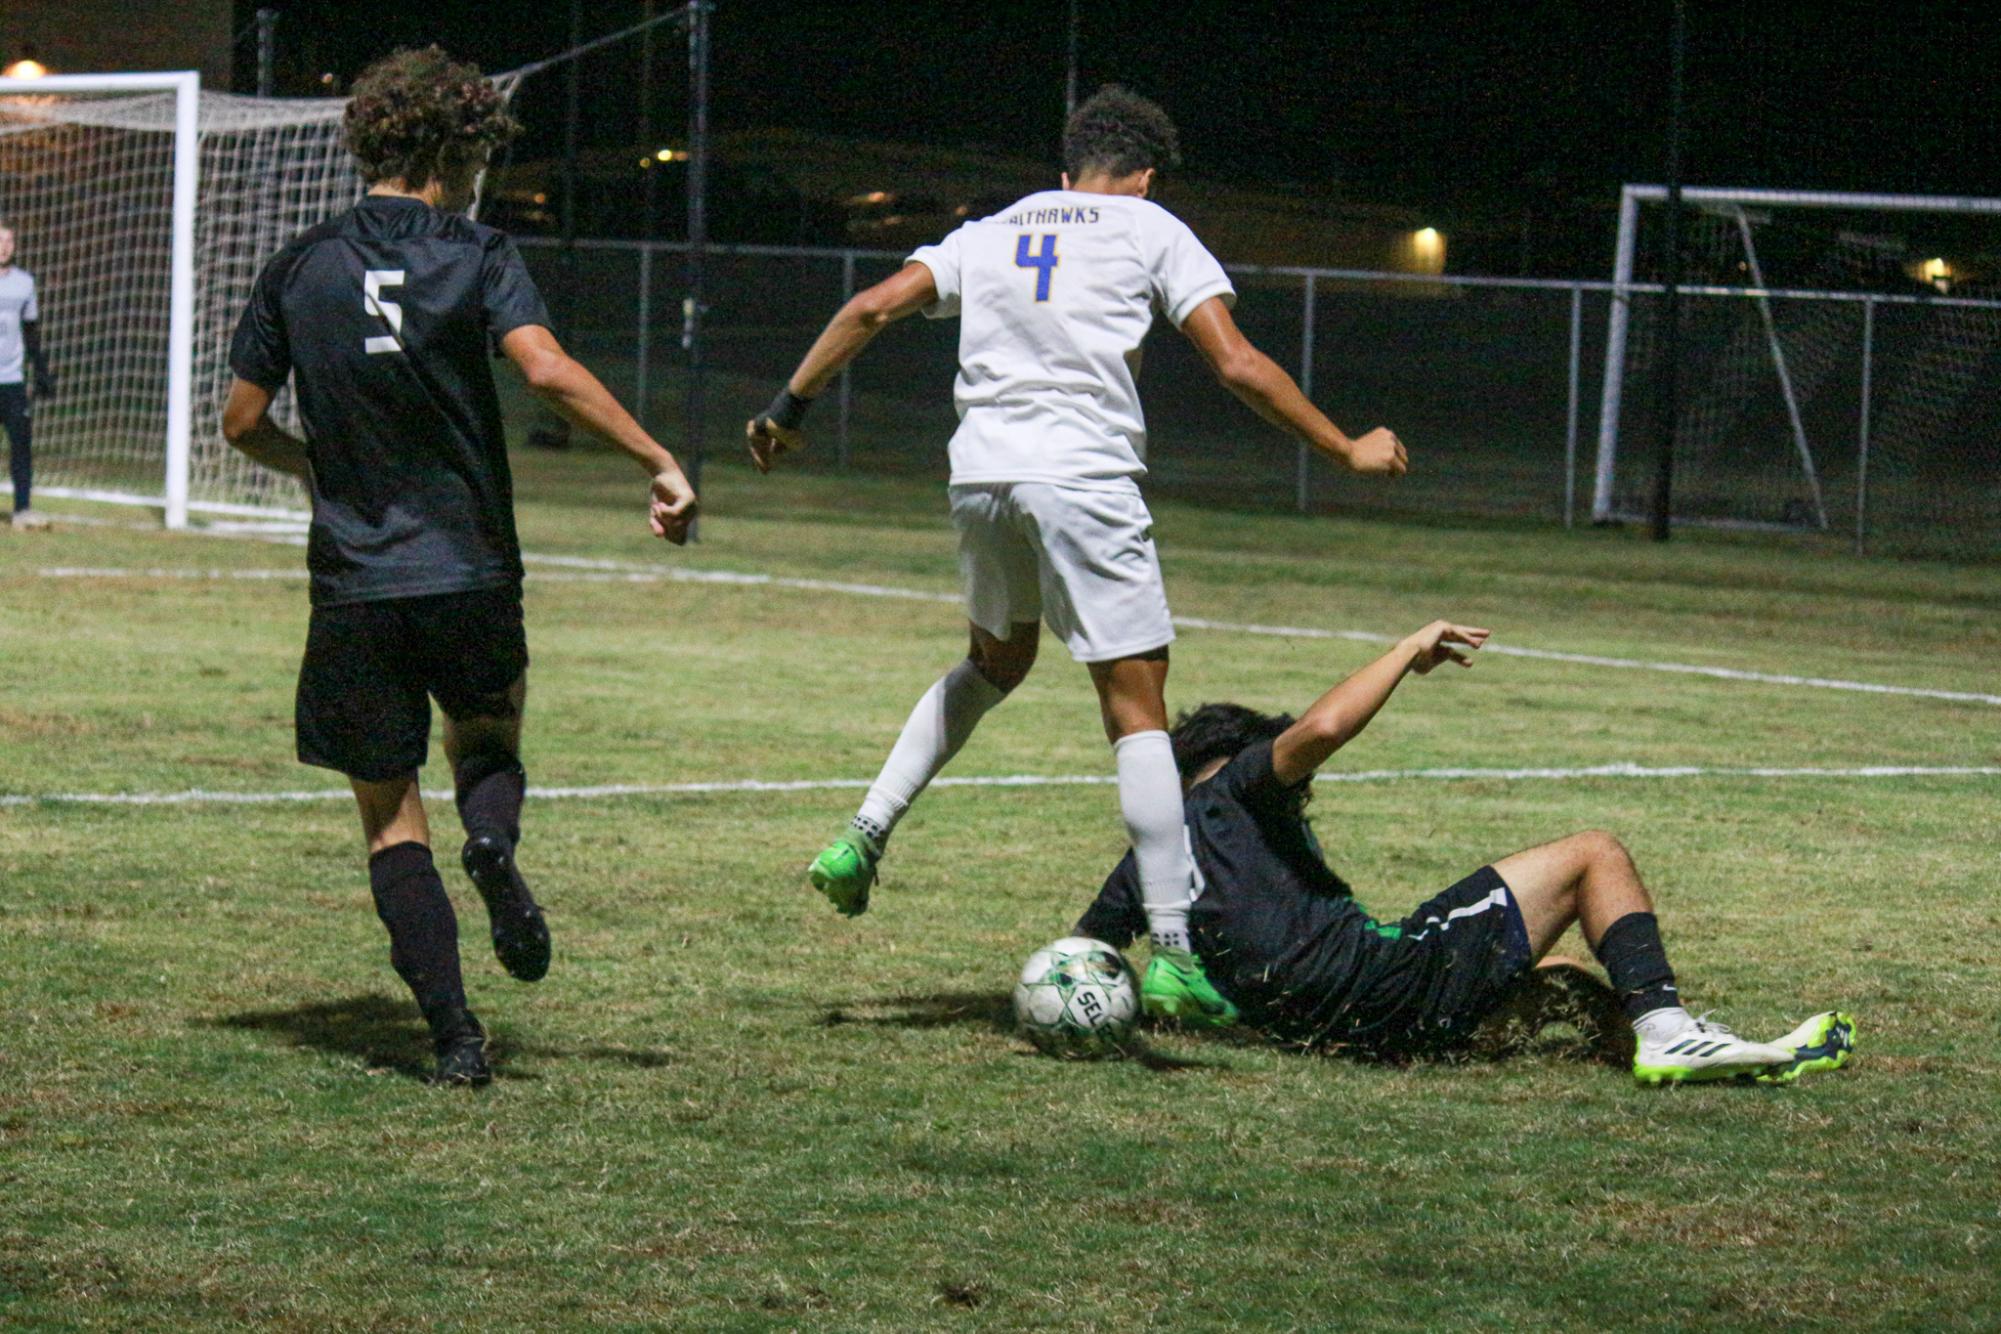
pixel 1710 194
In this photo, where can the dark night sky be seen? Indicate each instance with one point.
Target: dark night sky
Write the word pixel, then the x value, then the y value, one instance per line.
pixel 1462 110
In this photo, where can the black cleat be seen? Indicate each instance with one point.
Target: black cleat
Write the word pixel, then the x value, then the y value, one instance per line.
pixel 461 1052
pixel 520 936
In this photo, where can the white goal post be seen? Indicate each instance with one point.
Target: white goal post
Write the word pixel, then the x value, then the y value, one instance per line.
pixel 1734 211
pixel 145 208
pixel 185 88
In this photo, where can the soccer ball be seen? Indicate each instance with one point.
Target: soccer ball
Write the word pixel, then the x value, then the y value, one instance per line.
pixel 1077 998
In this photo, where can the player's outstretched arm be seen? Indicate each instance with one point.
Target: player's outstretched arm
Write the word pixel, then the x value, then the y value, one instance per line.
pixel 247 425
pixel 776 430
pixel 569 387
pixel 1345 710
pixel 1268 391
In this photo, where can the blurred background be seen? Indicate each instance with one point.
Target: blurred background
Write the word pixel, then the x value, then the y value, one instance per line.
pixel 1421 205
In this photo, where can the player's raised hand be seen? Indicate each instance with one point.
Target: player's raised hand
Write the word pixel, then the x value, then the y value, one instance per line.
pixel 1379 452
pixel 767 440
pixel 674 506
pixel 1434 644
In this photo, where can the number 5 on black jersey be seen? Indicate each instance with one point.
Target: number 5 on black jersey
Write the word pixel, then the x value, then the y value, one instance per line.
pixel 389 312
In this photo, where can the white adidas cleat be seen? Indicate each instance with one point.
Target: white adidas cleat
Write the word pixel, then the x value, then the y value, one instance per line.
pixel 30 520
pixel 1700 1050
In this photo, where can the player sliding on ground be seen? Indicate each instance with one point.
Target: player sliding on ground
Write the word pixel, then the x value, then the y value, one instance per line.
pixel 1054 295
pixel 1282 937
pixel 384 318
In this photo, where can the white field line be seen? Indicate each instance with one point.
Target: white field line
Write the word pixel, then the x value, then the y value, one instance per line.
pixel 1625 664
pixel 583 569
pixel 205 797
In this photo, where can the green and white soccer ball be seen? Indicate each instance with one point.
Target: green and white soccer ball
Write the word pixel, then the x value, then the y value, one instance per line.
pixel 1077 997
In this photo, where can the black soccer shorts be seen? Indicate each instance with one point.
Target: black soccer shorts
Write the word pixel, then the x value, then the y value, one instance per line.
pixel 1432 977
pixel 372 668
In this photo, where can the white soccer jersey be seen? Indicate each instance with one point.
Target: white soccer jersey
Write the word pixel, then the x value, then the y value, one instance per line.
pixel 17 303
pixel 1054 295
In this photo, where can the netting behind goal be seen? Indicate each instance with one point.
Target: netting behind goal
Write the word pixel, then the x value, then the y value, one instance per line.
pixel 87 183
pixel 1798 319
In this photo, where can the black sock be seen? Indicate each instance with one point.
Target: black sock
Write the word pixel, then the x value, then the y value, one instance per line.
pixel 490 786
pixel 1632 953
pixel 423 931
pixel 20 461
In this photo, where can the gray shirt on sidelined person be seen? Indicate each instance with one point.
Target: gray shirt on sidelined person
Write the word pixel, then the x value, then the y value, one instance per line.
pixel 17 304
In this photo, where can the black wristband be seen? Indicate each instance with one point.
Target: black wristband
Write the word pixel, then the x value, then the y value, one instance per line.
pixel 787 409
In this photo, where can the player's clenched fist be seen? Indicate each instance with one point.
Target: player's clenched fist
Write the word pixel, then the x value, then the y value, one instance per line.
pixel 674 506
pixel 767 440
pixel 1379 452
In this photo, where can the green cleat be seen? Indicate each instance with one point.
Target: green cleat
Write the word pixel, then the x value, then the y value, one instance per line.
pixel 845 871
pixel 1175 987
pixel 1824 1042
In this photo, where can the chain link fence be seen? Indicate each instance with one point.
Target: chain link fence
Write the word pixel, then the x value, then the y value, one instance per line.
pixel 1495 385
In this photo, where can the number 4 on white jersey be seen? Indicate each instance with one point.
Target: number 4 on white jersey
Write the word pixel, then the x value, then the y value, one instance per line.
pixel 372 301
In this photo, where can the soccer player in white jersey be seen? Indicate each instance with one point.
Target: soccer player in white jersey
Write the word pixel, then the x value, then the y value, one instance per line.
pixel 1054 295
pixel 20 348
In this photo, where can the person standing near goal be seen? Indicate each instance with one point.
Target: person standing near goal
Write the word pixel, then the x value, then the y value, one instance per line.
pixel 1054 295
pixel 20 349
pixel 384 318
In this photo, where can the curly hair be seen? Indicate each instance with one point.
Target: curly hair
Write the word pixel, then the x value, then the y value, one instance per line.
pixel 1118 132
pixel 1218 732
pixel 419 115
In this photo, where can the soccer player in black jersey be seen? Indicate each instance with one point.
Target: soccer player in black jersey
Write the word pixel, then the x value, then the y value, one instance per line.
pixel 1281 935
pixel 386 319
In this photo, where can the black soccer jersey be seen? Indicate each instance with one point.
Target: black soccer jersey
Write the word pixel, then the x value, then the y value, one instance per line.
pixel 1278 932
pixel 387 317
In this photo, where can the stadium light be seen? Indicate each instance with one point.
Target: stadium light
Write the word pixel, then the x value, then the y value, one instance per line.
pixel 26 68
pixel 1427 250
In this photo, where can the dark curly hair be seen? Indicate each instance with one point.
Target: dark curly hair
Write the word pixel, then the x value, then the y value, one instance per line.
pixel 419 116
pixel 1218 732
pixel 1118 132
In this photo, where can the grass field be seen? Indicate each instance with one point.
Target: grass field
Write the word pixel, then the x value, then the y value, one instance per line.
pixel 727 1108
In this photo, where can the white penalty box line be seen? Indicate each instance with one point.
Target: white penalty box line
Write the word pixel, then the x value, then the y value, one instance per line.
pixel 607 791
pixel 585 569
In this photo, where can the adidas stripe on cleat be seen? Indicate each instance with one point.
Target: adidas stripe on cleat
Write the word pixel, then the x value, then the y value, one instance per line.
pixel 1824 1042
pixel 1699 1051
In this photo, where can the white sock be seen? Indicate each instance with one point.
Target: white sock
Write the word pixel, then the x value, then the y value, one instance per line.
pixel 1150 800
pixel 937 728
pixel 1662 1023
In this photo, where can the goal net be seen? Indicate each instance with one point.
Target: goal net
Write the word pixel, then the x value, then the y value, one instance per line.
pixel 145 209
pixel 1824 337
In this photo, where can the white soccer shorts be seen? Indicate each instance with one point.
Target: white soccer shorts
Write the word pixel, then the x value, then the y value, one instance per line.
pixel 1081 560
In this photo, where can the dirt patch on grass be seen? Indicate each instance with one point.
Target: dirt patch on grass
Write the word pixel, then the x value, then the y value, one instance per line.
pixel 1724 1224
pixel 17 724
